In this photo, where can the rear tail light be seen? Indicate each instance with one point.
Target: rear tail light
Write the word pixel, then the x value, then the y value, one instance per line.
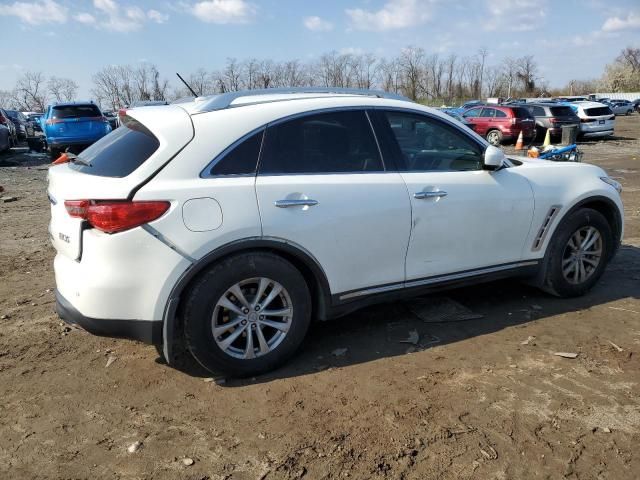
pixel 122 112
pixel 113 216
pixel 554 120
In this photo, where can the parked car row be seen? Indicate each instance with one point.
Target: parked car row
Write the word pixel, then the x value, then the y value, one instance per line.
pixel 501 122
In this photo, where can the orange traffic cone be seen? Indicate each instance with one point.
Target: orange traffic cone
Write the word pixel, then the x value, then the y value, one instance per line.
pixel 64 158
pixel 520 142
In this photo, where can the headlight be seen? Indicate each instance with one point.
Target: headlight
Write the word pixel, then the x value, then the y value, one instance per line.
pixel 613 183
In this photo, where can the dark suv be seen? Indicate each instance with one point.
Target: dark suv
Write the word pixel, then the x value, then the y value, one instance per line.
pixel 500 123
pixel 553 117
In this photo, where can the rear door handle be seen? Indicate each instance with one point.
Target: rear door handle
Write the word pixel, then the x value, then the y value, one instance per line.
pixel 295 203
pixel 423 195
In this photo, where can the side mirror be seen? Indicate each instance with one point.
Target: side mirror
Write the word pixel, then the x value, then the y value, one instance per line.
pixel 493 158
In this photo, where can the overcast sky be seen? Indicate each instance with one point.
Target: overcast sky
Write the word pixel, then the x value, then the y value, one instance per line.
pixel 75 38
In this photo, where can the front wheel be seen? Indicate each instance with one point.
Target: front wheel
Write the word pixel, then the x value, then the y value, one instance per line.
pixel 247 314
pixel 494 137
pixel 578 253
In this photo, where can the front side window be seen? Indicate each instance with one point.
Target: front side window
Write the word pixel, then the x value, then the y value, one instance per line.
pixel 334 142
pixel 428 144
pixel 474 112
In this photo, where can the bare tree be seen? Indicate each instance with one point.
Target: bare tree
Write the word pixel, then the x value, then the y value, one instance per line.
pixel 62 89
pixel 411 63
pixel 30 92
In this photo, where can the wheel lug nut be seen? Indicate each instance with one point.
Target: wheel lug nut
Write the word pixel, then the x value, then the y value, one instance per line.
pixel 261 317
pixel 257 308
pixel 245 310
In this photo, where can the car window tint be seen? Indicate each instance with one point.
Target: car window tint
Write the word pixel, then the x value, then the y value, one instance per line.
pixel 488 112
pixel 562 111
pixel 474 112
pixel 598 111
pixel 75 111
pixel 500 114
pixel 520 112
pixel 120 152
pixel 428 144
pixel 323 143
pixel 537 111
pixel 241 159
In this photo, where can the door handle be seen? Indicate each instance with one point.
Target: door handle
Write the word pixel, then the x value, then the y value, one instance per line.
pixel 423 195
pixel 295 203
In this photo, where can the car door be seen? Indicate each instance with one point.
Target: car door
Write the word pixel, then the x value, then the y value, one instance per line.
pixel 323 187
pixel 464 218
pixel 473 116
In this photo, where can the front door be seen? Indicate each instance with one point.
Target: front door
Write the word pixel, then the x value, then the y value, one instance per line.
pixel 463 217
pixel 323 187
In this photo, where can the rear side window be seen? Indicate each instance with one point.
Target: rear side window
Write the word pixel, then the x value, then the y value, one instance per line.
pixel 335 142
pixel 240 159
pixel 120 152
pixel 500 114
pixel 520 112
pixel 562 112
pixel 537 111
pixel 598 111
pixel 488 112
pixel 75 111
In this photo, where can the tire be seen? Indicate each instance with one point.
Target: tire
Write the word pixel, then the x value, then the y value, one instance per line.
pixel 210 303
pixel 629 112
pixel 494 137
pixel 560 253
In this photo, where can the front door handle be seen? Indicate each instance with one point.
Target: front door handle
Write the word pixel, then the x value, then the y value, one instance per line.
pixel 295 203
pixel 423 195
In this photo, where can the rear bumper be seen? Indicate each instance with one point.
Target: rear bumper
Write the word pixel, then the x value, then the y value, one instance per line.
pixel 141 330
pixel 66 141
pixel 598 133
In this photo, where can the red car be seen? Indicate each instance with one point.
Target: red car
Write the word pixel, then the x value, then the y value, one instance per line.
pixel 501 124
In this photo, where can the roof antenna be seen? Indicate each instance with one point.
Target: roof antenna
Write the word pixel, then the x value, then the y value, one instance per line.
pixel 183 81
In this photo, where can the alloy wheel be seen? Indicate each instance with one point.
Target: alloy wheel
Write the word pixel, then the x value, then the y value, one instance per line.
pixel 493 138
pixel 252 318
pixel 582 255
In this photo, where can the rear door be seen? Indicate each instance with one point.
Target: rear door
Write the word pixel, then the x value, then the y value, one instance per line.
pixel 322 186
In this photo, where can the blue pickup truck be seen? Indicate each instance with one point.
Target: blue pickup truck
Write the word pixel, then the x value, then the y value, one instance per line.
pixel 73 126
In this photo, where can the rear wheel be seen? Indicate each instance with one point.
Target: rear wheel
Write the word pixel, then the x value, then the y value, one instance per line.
pixel 247 314
pixel 494 137
pixel 579 252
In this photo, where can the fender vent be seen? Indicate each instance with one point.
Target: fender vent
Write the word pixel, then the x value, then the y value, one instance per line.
pixel 542 233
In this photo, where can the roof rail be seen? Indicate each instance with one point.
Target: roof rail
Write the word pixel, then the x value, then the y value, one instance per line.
pixel 225 100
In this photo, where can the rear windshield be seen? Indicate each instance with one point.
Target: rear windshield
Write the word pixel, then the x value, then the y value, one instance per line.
pixel 520 112
pixel 75 111
pixel 120 152
pixel 562 112
pixel 597 111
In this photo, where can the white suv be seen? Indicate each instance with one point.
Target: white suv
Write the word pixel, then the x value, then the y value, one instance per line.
pixel 223 226
pixel 596 119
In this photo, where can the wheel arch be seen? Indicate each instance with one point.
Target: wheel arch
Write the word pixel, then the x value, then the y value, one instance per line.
pixel 304 261
pixel 602 204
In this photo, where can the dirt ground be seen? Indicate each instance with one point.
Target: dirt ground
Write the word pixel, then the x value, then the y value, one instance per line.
pixel 472 400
